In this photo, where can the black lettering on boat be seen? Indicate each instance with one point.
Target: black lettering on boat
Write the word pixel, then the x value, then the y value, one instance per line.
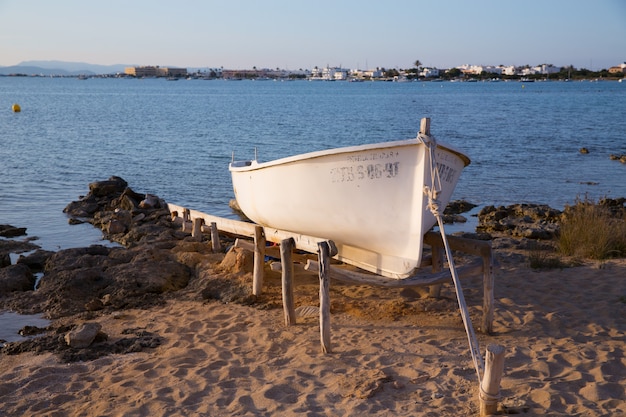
pixel 360 172
pixel 351 173
pixel 446 173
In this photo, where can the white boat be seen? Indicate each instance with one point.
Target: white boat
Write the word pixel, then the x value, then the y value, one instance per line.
pixel 369 200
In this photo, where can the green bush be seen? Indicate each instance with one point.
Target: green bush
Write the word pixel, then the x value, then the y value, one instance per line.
pixel 588 229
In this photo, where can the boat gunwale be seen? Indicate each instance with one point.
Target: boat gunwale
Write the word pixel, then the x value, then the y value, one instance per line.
pixel 337 151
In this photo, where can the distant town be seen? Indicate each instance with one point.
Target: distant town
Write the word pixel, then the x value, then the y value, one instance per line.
pixel 328 73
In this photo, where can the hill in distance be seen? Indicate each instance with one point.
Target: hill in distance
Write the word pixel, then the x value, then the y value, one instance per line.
pixel 61 68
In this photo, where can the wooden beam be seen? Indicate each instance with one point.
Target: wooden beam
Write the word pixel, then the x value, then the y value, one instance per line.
pixel 425 278
pixel 461 244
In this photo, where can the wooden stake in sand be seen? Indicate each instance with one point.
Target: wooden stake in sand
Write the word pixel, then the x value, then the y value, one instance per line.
pixel 259 260
pixel 196 231
pixel 289 308
pixel 215 238
pixel 490 386
pixel 326 250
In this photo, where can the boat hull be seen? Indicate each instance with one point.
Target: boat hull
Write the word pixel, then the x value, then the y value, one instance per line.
pixel 368 199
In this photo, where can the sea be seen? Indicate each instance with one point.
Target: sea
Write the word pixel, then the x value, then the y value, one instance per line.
pixel 176 139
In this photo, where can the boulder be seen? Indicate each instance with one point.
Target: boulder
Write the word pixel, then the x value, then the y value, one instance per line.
pixel 36 261
pixel 238 260
pixel 6 230
pixel 16 278
pixel 83 335
pixel 114 185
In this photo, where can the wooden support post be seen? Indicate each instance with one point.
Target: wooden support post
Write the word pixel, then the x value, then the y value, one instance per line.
pixel 185 220
pixel 484 250
pixel 437 254
pixel 326 250
pixel 489 393
pixel 216 246
pixel 289 309
pixel 259 260
pixel 196 231
pixel 488 297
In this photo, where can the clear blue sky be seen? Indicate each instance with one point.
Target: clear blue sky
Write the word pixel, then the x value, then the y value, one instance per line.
pixel 297 34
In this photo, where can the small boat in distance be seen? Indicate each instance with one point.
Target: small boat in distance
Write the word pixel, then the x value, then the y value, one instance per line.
pixel 369 200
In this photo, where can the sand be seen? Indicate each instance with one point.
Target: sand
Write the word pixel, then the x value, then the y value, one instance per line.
pixel 395 353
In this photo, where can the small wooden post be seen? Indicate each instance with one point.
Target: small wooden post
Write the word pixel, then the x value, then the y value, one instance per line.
pixel 434 291
pixel 289 309
pixel 325 250
pixel 425 126
pixel 489 393
pixel 185 219
pixel 488 297
pixel 259 260
pixel 216 246
pixel 196 231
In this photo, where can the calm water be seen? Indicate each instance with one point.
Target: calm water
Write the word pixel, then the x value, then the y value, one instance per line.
pixel 175 139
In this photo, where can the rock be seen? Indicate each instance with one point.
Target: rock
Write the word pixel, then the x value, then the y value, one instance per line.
pixel 31 330
pixel 94 305
pixel 6 230
pixel 114 185
pixel 16 278
pixel 151 201
pixel 5 260
pixel 458 207
pixel 238 260
pixel 36 261
pixel 534 221
pixel 82 336
pixel 115 227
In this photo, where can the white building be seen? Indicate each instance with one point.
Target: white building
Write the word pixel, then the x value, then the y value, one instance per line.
pixel 329 73
pixel 429 72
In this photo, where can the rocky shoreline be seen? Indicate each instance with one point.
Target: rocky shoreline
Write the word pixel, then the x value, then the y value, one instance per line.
pixel 157 261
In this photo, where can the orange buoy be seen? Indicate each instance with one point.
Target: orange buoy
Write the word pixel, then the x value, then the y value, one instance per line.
pixel 16 108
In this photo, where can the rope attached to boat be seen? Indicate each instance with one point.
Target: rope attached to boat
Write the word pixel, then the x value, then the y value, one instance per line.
pixel 434 205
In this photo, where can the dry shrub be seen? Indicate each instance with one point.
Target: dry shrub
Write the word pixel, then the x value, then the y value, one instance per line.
pixel 589 230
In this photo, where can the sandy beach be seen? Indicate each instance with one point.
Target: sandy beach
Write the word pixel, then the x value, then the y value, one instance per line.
pixel 395 352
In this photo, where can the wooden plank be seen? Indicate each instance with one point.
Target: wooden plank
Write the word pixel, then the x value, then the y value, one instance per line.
pixel 235 227
pixel 246 229
pixel 427 278
pixel 461 244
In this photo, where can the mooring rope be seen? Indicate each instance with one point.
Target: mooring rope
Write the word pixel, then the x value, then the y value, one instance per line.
pixel 435 208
